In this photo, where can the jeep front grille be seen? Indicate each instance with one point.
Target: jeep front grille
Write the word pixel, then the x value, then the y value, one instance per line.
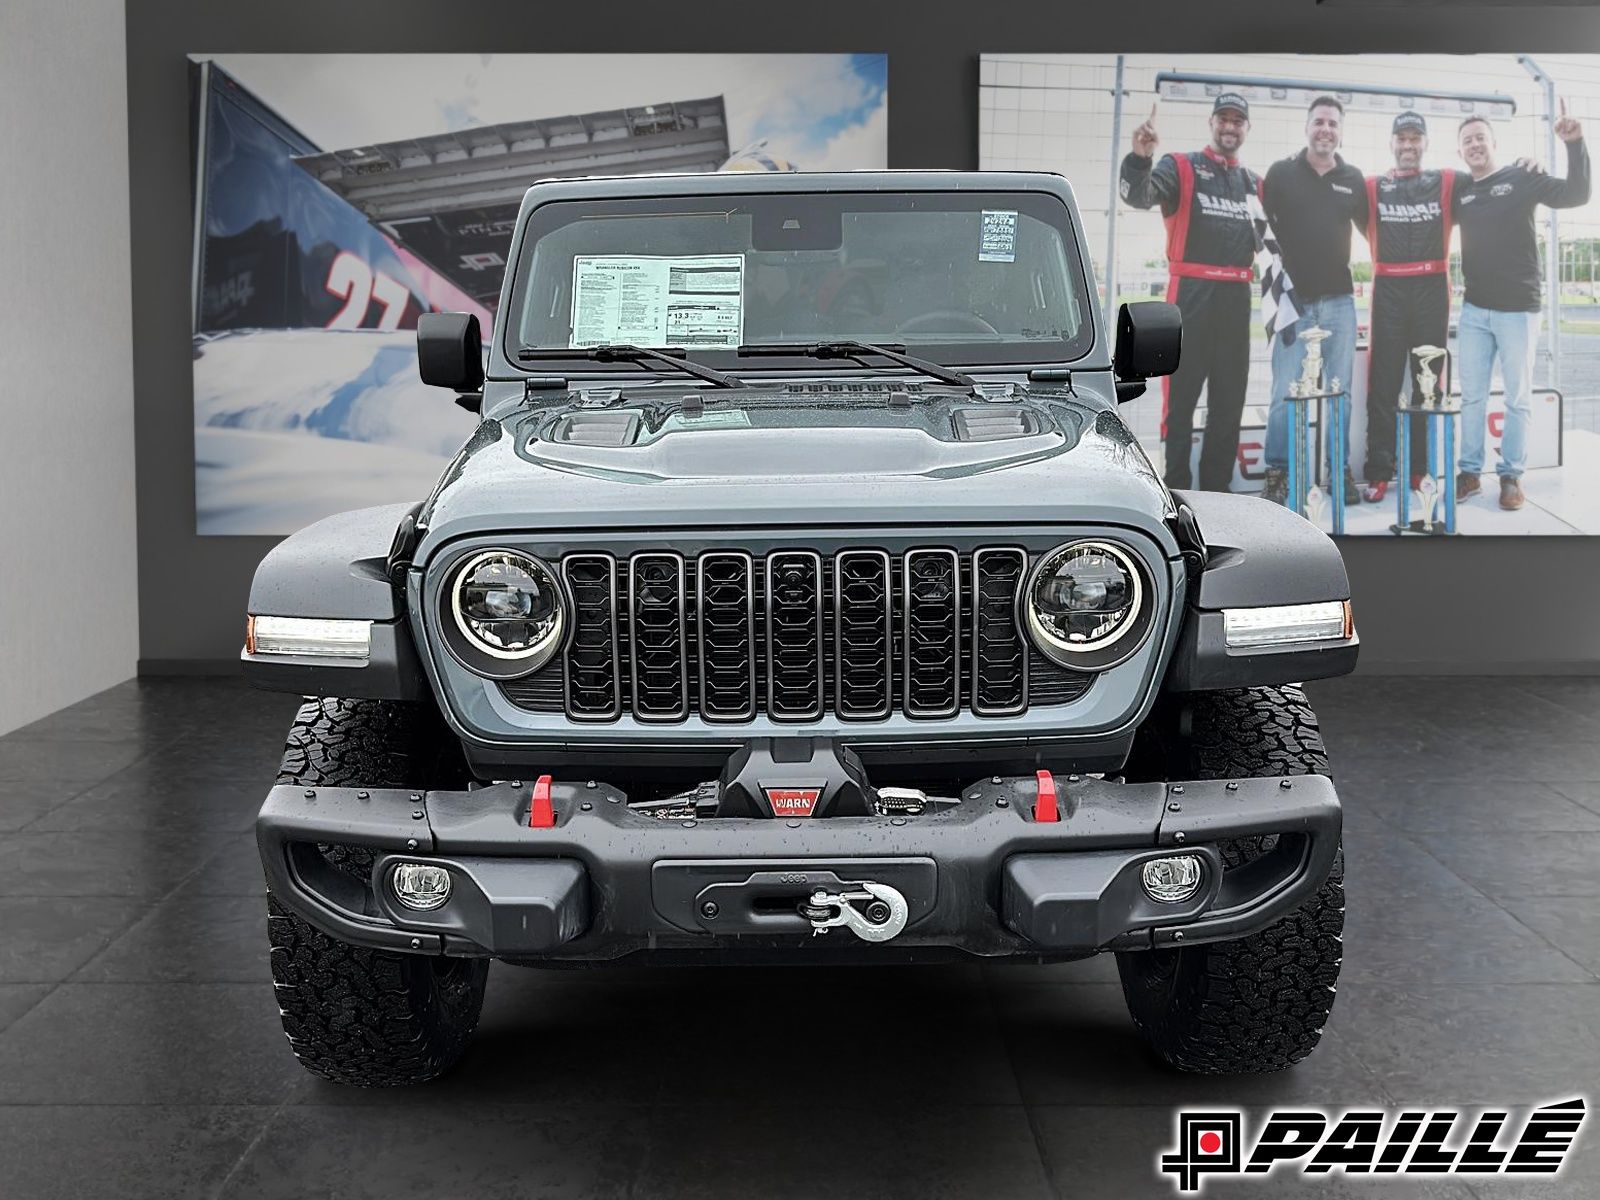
pixel 793 635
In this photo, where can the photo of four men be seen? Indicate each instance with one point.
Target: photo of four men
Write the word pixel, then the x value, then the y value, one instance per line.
pixel 1313 204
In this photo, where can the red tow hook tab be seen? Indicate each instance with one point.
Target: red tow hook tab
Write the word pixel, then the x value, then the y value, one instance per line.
pixel 1046 809
pixel 542 813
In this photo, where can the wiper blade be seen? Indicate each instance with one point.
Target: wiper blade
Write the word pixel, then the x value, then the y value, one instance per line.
pixel 623 352
pixel 895 352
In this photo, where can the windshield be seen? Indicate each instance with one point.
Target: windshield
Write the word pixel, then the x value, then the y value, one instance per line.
pixel 956 277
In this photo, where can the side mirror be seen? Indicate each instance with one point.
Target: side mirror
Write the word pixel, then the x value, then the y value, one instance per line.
pixel 1149 344
pixel 450 351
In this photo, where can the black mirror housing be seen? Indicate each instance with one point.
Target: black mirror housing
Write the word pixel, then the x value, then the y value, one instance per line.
pixel 450 351
pixel 1149 344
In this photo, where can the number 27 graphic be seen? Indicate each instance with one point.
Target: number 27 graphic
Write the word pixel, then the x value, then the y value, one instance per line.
pixel 358 285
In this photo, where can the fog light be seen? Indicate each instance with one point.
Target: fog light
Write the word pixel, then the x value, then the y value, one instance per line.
pixel 1172 880
pixel 421 886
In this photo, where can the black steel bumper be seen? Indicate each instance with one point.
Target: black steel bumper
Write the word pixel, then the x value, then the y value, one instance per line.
pixel 983 877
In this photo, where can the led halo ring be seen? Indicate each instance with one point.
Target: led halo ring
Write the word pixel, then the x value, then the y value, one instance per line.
pixel 1103 652
pixel 495 662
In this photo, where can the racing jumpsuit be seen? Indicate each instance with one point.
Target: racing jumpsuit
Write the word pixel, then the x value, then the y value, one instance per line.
pixel 1408 225
pixel 1211 246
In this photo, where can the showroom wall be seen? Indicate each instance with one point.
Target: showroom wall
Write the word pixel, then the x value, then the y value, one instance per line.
pixel 68 553
pixel 1424 605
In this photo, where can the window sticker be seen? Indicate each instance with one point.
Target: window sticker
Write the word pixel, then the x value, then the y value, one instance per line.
pixel 658 300
pixel 998 242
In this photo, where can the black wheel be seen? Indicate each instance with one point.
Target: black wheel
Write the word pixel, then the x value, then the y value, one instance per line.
pixel 1258 1003
pixel 369 1018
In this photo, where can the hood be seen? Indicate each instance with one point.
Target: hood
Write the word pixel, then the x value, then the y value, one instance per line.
pixel 817 454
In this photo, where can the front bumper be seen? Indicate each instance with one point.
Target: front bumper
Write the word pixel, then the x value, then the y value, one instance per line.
pixel 982 878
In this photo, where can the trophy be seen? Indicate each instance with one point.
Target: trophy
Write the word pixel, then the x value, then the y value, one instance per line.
pixel 1315 502
pixel 1427 498
pixel 1429 392
pixel 1310 381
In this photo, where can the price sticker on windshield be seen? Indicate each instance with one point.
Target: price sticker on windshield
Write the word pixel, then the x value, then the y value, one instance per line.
pixel 658 300
pixel 998 241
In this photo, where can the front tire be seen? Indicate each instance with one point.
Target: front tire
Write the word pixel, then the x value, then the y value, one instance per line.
pixel 1258 1003
pixel 357 1016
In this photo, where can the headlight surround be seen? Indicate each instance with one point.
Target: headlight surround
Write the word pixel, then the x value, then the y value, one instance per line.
pixel 505 613
pixel 1087 605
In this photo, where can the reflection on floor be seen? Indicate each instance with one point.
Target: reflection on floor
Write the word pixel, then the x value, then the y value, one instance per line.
pixel 140 1052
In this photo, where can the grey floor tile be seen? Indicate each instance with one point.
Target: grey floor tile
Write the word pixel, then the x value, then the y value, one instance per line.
pixel 233 870
pixel 188 938
pixel 44 939
pixel 1481 806
pixel 16 999
pixel 1518 865
pixel 1475 1043
pixel 1093 1152
pixel 1384 866
pixel 1076 1044
pixel 459 1150
pixel 112 1152
pixel 21 804
pixel 939 1151
pixel 124 1043
pixel 1580 791
pixel 1455 935
pixel 102 863
pixel 1571 923
pixel 160 794
pixel 69 762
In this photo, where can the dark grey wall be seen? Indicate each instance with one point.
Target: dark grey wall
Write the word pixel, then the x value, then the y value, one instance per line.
pixel 1484 605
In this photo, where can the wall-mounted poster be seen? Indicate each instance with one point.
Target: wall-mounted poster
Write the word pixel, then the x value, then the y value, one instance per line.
pixel 338 197
pixel 1388 266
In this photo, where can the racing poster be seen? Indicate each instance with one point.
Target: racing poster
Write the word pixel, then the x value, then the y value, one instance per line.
pixel 1423 228
pixel 338 197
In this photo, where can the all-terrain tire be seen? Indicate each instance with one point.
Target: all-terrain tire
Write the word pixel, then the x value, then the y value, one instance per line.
pixel 369 1018
pixel 1258 1003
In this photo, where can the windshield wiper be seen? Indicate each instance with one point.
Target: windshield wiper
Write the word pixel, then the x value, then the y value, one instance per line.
pixel 623 352
pixel 895 352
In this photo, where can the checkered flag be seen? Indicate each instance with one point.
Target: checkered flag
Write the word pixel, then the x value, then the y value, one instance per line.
pixel 1279 307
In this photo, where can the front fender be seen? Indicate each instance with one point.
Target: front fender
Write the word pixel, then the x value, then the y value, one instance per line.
pixel 338 569
pixel 1257 554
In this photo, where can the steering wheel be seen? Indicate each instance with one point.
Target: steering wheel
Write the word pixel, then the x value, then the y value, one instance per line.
pixel 944 321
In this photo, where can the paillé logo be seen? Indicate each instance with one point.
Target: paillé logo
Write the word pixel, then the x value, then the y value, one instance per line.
pixel 1357 1142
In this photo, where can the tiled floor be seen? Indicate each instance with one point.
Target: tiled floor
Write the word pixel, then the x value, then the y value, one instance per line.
pixel 140 1052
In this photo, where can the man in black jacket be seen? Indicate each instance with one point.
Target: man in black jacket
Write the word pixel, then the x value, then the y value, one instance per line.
pixel 1500 317
pixel 1211 244
pixel 1312 200
pixel 1408 224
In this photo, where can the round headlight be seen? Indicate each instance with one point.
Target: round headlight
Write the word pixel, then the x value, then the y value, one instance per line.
pixel 1083 602
pixel 509 607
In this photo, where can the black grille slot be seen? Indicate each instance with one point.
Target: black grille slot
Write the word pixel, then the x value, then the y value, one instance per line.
pixel 999 655
pixel 725 619
pixel 863 634
pixel 1050 684
pixel 657 637
pixel 932 633
pixel 794 635
pixel 593 677
pixel 730 636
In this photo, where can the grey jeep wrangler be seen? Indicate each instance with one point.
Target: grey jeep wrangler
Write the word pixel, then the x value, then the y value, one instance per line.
pixel 800 596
